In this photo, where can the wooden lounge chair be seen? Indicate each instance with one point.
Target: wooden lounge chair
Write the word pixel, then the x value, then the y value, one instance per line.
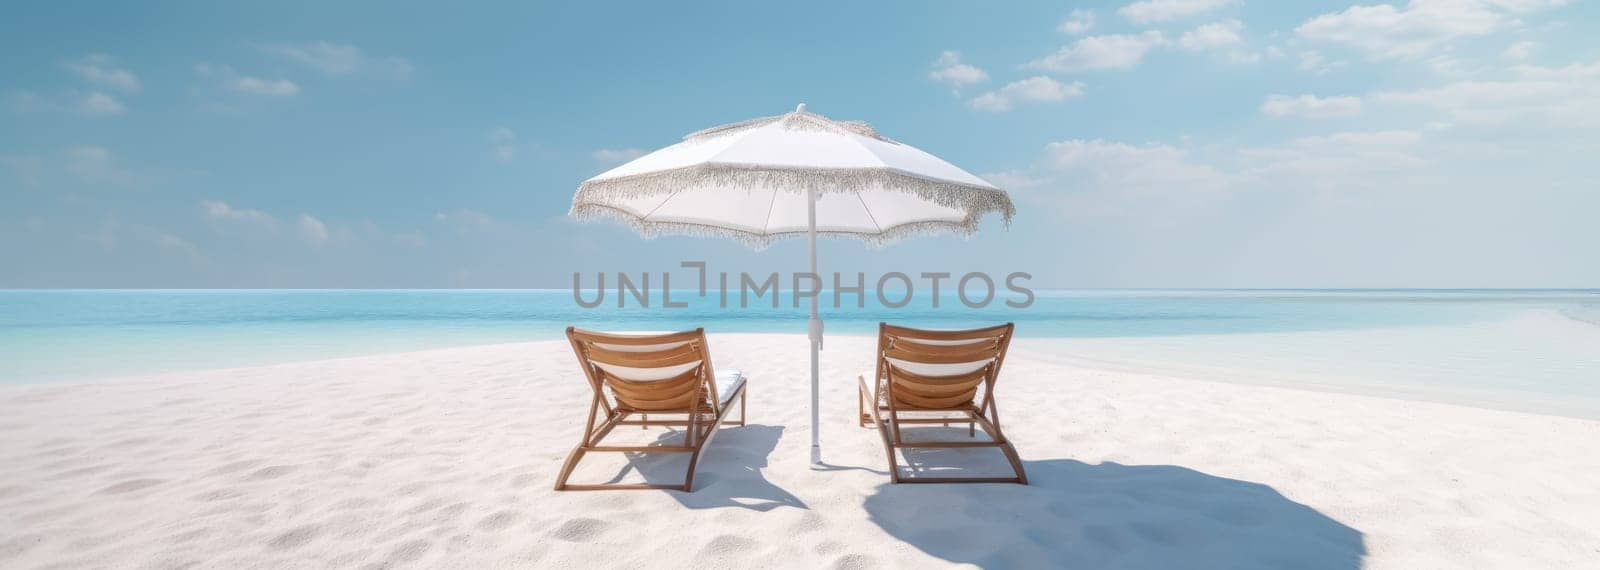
pixel 666 380
pixel 936 377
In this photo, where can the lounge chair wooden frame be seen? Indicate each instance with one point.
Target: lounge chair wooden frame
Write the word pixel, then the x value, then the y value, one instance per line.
pixel 690 399
pixel 895 391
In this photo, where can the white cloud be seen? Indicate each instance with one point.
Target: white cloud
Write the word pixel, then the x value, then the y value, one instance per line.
pixel 1385 31
pixel 259 86
pixel 174 243
pixel 304 228
pixel 1363 139
pixel 1313 61
pixel 504 143
pixel 949 69
pixel 1574 72
pixel 100 69
pixel 313 230
pixel 1039 89
pixel 1152 185
pixel 1136 167
pixel 221 211
pixel 99 104
pixel 92 104
pixel 1150 11
pixel 1519 50
pixel 1211 36
pixel 610 156
pixel 1524 6
pixel 1078 22
pixel 1337 161
pixel 1311 106
pixel 1533 97
pixel 235 81
pixel 1119 51
pixel 340 59
pixel 1087 179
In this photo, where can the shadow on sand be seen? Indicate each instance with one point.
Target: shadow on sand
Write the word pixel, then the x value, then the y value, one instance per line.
pixel 729 474
pixel 1077 515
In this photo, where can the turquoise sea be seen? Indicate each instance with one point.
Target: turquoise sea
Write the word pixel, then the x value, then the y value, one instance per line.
pixel 60 335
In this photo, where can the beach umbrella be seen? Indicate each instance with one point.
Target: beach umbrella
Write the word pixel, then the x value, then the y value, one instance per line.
pixel 789 175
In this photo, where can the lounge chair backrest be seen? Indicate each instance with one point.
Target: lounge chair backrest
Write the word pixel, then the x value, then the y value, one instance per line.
pixel 928 369
pixel 648 373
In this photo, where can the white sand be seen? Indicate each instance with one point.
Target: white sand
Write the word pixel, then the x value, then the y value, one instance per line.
pixel 446 458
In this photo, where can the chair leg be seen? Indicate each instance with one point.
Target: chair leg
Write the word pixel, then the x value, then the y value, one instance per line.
pixel 1016 462
pixel 566 468
pixel 742 395
pixel 883 429
pixel 889 450
pixel 862 397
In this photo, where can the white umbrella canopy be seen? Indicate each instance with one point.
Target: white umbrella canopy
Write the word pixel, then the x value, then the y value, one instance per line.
pixel 788 175
pixel 750 181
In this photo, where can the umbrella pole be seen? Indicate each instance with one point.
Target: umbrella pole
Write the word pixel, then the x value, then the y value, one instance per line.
pixel 814 324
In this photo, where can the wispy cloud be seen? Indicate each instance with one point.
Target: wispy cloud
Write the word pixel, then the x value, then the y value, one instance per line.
pixel 1519 50
pixel 221 211
pixel 313 230
pixel 1152 11
pixel 1150 166
pixel 1342 160
pixel 97 104
pixel 948 69
pixel 93 104
pixel 1313 61
pixel 1118 51
pixel 1311 106
pixel 100 69
pixel 305 228
pixel 340 59
pixel 241 83
pixel 1211 36
pixel 1039 89
pixel 1078 22
pixel 1385 31
pixel 1093 179
pixel 1539 97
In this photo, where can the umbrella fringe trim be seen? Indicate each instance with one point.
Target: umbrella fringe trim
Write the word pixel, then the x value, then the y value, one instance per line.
pixel 651 230
pixel 975 201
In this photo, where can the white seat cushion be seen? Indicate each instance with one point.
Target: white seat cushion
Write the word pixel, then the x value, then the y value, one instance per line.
pixel 728 381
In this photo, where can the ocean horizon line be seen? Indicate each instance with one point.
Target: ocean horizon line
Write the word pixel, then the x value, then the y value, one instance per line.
pixel 1595 290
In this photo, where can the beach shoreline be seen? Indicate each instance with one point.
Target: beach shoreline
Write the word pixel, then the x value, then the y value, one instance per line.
pixel 446 458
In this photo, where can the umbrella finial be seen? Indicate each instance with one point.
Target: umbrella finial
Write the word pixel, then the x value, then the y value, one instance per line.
pixel 801 108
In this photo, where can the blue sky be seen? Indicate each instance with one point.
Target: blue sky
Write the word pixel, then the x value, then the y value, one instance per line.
pixel 1159 143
